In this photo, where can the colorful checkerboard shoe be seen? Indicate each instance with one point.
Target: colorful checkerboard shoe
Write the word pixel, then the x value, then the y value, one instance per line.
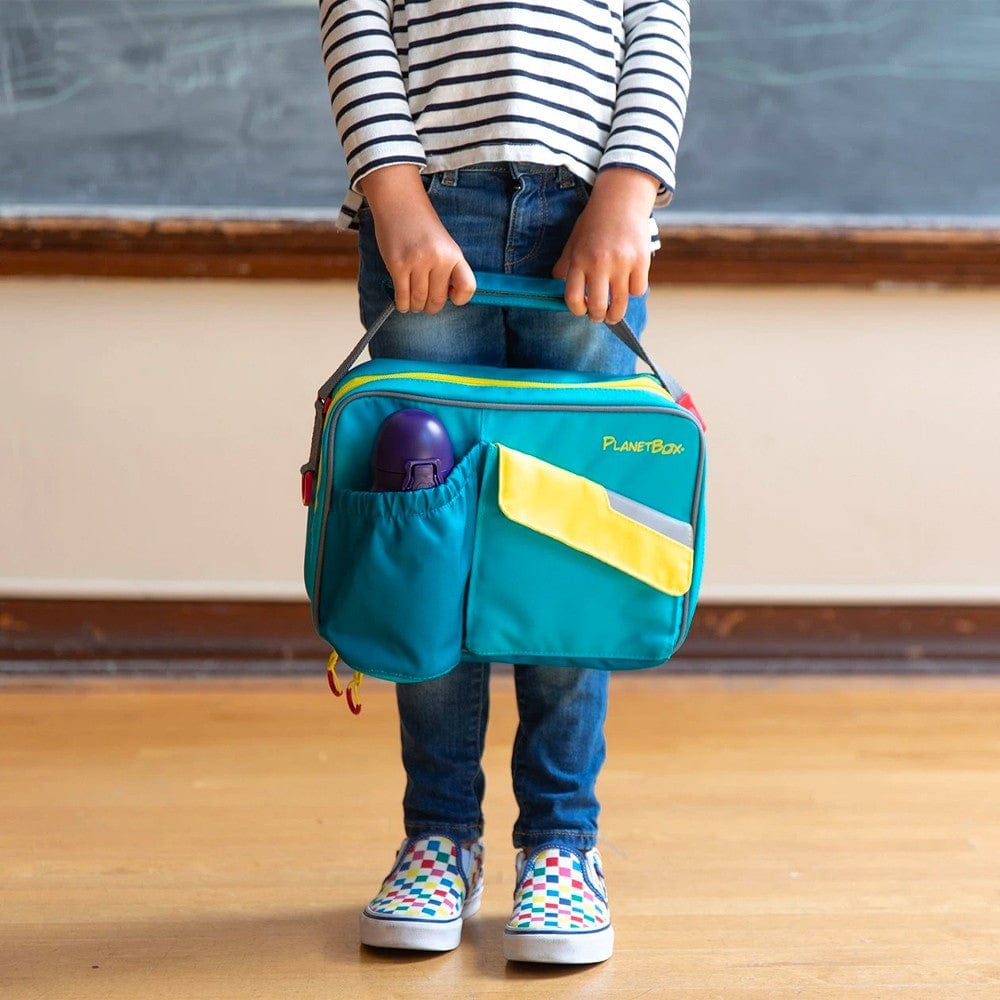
pixel 432 887
pixel 560 909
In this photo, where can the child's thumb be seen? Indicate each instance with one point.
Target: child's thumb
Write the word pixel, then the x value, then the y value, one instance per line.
pixel 462 284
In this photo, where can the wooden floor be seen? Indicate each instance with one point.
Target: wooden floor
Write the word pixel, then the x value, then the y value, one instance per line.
pixel 763 838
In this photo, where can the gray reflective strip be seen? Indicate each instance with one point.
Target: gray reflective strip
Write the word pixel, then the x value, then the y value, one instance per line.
pixel 661 523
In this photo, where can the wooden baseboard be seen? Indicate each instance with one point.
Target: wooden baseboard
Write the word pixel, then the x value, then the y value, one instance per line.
pixel 846 632
pixel 37 634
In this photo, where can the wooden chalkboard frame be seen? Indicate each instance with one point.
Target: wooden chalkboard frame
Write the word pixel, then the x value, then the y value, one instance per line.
pixel 293 249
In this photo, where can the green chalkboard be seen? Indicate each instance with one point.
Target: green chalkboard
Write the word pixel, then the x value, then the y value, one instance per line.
pixel 876 111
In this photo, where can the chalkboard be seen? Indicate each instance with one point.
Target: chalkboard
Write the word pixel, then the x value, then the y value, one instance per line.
pixel 873 111
pixel 166 107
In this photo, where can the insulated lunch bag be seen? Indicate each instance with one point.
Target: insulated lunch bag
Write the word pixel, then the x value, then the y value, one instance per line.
pixel 569 532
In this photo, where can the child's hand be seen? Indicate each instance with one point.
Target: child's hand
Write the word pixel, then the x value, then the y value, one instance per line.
pixel 607 256
pixel 426 265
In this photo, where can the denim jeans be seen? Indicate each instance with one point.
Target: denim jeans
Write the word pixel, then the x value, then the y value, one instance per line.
pixel 514 219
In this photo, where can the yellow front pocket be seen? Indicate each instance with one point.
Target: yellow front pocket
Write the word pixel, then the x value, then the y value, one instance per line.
pixel 631 537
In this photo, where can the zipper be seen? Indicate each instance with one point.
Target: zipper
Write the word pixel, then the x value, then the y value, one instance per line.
pixel 638 382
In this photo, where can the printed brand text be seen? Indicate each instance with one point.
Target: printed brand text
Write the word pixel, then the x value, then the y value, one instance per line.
pixel 655 447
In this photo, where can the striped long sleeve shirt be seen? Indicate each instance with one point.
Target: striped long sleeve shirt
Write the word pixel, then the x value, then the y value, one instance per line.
pixel 444 84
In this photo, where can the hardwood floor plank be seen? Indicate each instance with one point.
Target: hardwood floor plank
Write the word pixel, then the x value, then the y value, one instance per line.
pixel 765 838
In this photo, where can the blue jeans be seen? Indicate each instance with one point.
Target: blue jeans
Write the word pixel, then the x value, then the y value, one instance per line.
pixel 514 219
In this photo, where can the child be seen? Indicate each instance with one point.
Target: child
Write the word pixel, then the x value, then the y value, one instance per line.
pixel 530 139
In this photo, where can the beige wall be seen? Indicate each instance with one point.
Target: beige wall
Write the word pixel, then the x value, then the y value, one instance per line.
pixel 151 434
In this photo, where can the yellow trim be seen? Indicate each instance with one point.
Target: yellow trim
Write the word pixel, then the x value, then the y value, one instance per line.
pixel 639 382
pixel 577 512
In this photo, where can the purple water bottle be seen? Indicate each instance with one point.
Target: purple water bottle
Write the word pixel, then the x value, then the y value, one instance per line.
pixel 412 452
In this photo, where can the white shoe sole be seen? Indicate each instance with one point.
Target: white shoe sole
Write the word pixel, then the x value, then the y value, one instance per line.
pixel 570 948
pixel 417 935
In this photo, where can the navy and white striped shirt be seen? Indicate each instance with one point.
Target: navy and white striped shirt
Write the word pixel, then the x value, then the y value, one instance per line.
pixel 444 84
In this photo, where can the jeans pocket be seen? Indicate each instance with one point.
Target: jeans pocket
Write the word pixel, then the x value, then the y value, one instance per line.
pixel 395 569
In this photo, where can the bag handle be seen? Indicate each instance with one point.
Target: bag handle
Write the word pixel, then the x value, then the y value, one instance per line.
pixel 509 290
pixel 549 294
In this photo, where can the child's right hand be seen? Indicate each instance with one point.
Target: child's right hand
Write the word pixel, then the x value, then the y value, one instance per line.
pixel 426 265
pixel 606 258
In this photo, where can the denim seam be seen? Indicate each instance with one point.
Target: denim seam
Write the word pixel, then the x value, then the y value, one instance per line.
pixel 513 225
pixel 490 167
pixel 478 748
pixel 515 755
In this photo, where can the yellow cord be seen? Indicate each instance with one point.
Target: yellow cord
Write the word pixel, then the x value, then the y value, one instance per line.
pixel 331 672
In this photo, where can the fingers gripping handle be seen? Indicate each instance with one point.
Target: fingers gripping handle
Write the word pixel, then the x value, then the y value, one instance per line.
pixel 513 290
pixel 507 290
pixel 549 293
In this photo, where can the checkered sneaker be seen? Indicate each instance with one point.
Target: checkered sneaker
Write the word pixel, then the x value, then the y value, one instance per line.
pixel 560 908
pixel 432 886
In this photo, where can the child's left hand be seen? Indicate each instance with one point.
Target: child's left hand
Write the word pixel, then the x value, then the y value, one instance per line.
pixel 606 258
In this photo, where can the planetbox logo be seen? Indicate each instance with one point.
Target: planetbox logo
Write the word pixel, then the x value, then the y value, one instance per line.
pixel 655 447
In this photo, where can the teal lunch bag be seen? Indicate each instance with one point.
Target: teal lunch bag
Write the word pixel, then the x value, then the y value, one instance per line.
pixel 570 531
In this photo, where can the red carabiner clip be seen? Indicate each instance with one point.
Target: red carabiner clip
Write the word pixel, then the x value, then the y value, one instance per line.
pixel 354 693
pixel 353 688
